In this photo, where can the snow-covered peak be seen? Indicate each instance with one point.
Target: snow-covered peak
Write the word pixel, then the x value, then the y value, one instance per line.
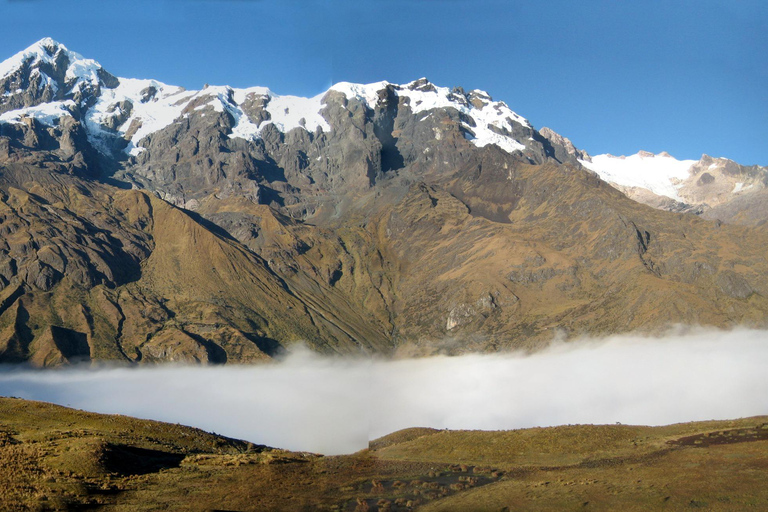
pixel 424 95
pixel 128 110
pixel 662 174
pixel 42 51
pixel 366 93
pixel 133 109
pixel 493 120
pixel 137 108
pixel 49 51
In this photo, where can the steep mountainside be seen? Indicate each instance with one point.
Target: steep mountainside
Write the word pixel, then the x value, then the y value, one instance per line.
pixel 143 222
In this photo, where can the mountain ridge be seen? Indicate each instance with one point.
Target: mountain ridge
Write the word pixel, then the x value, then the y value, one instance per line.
pixel 422 216
pixel 126 111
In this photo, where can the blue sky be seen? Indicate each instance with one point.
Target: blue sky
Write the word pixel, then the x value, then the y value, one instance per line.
pixel 687 77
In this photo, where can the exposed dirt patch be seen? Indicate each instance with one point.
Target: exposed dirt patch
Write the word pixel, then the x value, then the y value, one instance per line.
pixel 732 436
pixel 408 493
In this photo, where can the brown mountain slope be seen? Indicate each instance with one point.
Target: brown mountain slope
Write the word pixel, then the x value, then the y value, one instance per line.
pixel 498 253
pixel 747 210
pixel 574 255
pixel 129 277
pixel 501 253
pixel 391 231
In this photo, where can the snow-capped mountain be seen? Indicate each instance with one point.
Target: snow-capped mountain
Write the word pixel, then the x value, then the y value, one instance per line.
pixel 184 144
pixel 708 181
pixel 138 108
pixel 656 173
pixel 47 81
pixel 370 217
pixel 122 116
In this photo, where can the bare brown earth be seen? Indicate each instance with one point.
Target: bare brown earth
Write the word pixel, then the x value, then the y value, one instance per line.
pixel 54 458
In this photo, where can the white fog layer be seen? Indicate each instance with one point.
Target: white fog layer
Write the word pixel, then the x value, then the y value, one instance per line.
pixel 335 405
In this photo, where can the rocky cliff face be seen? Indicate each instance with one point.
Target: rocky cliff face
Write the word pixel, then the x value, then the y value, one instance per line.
pixel 142 222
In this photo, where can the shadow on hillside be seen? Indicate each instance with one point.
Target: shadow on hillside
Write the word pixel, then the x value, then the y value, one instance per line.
pixel 130 460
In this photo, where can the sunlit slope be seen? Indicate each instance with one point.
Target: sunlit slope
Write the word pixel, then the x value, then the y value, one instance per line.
pixel 210 278
pixel 95 272
pixel 552 248
pixel 510 256
pixel 54 458
pixel 710 465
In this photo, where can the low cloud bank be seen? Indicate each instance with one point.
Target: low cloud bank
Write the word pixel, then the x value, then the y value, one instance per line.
pixel 335 405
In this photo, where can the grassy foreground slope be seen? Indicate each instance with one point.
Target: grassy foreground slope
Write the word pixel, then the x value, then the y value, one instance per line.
pixel 54 458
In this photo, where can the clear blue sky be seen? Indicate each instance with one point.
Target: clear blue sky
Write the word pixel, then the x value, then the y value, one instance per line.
pixel 688 77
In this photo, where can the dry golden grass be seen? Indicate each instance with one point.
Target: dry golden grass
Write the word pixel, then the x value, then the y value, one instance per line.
pixel 54 458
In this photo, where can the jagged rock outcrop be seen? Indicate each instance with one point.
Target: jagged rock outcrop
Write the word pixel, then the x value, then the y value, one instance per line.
pixel 562 147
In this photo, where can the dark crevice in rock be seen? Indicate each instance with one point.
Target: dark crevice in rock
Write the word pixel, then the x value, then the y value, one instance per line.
pixel 383 128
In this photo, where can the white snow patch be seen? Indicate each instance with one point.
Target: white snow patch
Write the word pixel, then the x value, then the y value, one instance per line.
pixel 169 103
pixel 154 115
pixel 286 113
pixel 46 113
pixel 657 173
pixel 367 93
pixel 738 188
pixel 240 95
pixel 35 53
pixel 46 81
pixel 244 128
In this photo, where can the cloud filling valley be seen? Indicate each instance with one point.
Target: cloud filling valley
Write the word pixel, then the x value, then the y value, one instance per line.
pixel 334 405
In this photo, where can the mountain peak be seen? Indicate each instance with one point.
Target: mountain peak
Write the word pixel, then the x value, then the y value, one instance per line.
pixel 47 72
pixel 43 51
pixel 47 81
pixel 54 57
pixel 48 44
pixel 45 47
pixel 422 84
